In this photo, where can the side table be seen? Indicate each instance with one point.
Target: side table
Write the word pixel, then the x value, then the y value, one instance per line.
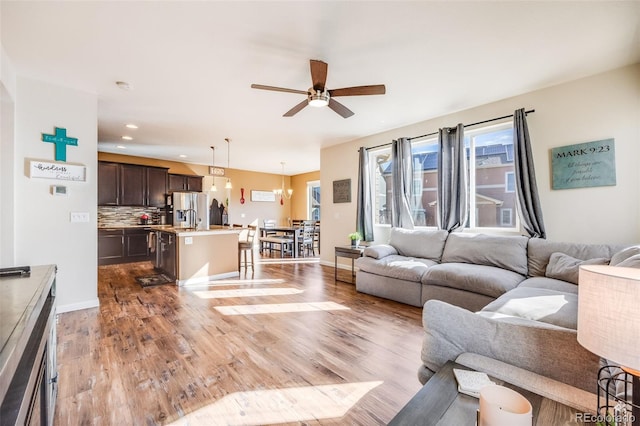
pixel 438 403
pixel 350 252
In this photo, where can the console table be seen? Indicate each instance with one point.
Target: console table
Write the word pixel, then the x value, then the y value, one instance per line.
pixel 350 252
pixel 28 378
pixel 439 403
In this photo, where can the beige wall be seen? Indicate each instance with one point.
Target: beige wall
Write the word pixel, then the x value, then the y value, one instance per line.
pixel 299 200
pixel 594 108
pixel 250 211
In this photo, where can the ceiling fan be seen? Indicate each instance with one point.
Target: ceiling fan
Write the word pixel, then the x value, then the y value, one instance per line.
pixel 318 95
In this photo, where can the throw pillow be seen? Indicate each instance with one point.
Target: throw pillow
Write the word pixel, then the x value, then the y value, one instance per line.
pixel 624 254
pixel 564 267
pixel 630 262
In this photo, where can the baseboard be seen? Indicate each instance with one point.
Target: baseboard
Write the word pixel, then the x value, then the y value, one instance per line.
pixel 345 266
pixel 61 309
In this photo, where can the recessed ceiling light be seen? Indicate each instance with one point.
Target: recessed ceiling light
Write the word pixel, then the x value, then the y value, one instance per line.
pixel 182 156
pixel 127 138
pixel 121 147
pixel 131 126
pixel 124 85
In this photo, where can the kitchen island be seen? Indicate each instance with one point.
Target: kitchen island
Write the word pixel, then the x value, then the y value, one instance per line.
pixel 202 256
pixel 189 256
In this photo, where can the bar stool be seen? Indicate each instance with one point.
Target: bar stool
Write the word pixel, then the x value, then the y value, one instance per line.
pixel 244 246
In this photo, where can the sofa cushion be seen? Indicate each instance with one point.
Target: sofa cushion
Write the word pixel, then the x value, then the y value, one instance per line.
pixel 507 252
pixel 396 266
pixel 418 243
pixel 538 304
pixel 550 284
pixel 480 279
pixel 564 267
pixel 379 251
pixel 540 250
pixel 624 254
pixel 630 262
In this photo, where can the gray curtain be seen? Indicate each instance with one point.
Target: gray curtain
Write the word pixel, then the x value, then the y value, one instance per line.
pixel 402 178
pixel 453 186
pixel 526 188
pixel 364 214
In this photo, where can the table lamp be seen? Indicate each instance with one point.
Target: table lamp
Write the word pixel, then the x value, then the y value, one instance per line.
pixel 609 320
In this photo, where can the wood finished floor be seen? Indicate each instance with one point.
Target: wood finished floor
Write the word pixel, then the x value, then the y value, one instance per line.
pixel 166 355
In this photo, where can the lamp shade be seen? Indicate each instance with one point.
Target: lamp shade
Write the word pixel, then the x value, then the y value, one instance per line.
pixel 609 313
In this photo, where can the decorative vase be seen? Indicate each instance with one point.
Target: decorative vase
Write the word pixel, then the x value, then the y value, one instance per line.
pixel 355 243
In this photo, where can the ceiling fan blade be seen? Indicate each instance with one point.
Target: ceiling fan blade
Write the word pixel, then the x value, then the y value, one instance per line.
pixel 296 109
pixel 340 109
pixel 318 74
pixel 377 89
pixel 278 89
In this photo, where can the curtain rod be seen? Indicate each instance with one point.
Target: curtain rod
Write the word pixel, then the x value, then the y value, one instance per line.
pixel 465 126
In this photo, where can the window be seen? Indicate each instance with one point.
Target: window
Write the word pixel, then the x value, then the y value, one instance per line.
pixel 492 201
pixel 510 182
pixel 506 217
pixel 491 176
pixel 313 200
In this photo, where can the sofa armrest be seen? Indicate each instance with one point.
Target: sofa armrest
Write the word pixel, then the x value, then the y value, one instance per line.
pixel 379 251
pixel 545 349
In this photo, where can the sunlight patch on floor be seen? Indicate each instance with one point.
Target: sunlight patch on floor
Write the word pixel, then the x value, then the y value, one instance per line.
pixel 246 292
pixel 297 404
pixel 278 308
pixel 235 281
pixel 289 260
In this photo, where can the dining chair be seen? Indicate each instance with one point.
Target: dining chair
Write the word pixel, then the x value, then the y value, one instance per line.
pixel 316 236
pixel 245 244
pixel 306 239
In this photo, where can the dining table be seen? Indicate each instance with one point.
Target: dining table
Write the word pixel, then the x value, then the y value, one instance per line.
pixel 294 231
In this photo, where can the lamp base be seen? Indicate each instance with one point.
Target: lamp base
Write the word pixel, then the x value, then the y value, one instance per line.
pixel 619 396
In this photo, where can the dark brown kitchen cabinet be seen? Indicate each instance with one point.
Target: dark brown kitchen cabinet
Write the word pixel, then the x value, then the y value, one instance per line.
pixel 123 245
pixel 108 184
pixel 110 246
pixel 133 184
pixel 185 183
pixel 136 244
pixel 157 181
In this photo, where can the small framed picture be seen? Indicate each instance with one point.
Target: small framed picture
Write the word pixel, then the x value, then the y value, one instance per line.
pixel 262 195
pixel 342 191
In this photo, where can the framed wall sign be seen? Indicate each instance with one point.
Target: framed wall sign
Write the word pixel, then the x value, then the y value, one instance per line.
pixel 59 171
pixel 216 171
pixel 263 196
pixel 584 165
pixel 342 191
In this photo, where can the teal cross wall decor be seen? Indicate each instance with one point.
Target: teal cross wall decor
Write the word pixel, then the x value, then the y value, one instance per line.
pixel 61 141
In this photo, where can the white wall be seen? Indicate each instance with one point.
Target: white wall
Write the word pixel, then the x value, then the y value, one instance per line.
pixel 44 233
pixel 598 107
pixel 7 118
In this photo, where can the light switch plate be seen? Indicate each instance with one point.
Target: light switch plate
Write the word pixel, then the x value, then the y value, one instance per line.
pixel 79 217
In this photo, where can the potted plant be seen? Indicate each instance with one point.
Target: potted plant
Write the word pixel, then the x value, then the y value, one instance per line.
pixel 355 238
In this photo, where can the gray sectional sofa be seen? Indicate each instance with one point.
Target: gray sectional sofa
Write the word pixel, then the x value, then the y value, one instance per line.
pixel 509 302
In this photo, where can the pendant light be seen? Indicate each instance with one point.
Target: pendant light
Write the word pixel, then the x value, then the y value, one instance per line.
pixel 281 192
pixel 213 165
pixel 228 184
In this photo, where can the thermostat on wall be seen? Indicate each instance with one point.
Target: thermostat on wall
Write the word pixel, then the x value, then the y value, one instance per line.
pixel 58 190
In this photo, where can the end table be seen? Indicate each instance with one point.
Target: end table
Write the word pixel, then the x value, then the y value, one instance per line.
pixel 350 252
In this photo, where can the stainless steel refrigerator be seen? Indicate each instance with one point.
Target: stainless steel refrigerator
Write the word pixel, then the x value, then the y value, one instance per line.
pixel 191 210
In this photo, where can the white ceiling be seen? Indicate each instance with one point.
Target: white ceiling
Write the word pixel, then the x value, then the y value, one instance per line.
pixel 191 65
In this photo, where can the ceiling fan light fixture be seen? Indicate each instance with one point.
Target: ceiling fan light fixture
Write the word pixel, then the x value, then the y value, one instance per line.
pixel 319 99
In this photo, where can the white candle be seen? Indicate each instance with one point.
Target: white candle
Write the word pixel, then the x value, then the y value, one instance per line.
pixel 500 406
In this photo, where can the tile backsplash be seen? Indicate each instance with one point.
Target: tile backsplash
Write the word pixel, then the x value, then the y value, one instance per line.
pixel 126 216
